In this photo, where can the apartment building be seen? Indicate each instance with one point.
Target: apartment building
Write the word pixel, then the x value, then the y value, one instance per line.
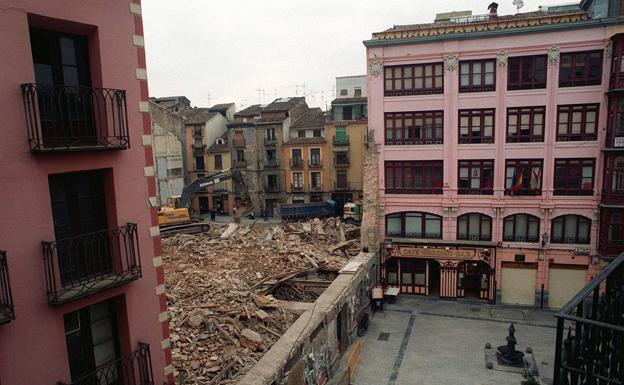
pixel 347 134
pixel 81 278
pixel 500 143
pixel 307 169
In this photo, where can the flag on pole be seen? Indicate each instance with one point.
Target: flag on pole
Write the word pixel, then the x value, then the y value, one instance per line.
pixel 517 186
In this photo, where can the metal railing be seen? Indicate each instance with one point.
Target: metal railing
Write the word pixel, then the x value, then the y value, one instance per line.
pixel 241 164
pixel 271 188
pixel 473 237
pixel 7 310
pixel 342 186
pixel 296 162
pixel 590 332
pixel 270 142
pixel 296 187
pixel 315 163
pixel 133 369
pixel 79 266
pixel 198 150
pixel 72 118
pixel 341 162
pixel 272 163
pixel 341 142
pixel 316 188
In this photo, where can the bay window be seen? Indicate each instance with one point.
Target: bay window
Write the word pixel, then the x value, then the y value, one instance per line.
pixel 580 68
pixel 577 122
pixel 574 176
pixel 414 127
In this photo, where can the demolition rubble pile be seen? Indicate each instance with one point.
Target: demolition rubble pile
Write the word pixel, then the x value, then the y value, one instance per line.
pixel 222 317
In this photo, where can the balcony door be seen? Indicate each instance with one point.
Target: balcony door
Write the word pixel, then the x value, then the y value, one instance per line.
pixel 79 215
pixel 64 93
pixel 92 339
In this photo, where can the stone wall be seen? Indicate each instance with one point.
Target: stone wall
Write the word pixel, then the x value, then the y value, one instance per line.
pixel 309 352
pixel 370 203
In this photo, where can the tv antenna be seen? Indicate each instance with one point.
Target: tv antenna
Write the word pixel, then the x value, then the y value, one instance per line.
pixel 519 4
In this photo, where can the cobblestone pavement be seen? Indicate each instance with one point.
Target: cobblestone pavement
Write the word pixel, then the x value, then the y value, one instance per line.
pixel 433 342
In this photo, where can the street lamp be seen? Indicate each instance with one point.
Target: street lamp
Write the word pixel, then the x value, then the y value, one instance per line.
pixel 544 239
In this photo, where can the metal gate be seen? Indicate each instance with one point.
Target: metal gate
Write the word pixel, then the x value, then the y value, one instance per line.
pixel 448 280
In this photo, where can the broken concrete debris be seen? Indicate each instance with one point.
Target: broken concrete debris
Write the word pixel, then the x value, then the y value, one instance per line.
pixel 220 288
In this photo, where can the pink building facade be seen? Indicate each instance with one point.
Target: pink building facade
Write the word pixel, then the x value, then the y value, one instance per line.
pixel 492 132
pixel 81 279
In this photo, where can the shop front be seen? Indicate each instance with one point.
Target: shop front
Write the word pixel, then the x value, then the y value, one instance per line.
pixel 443 271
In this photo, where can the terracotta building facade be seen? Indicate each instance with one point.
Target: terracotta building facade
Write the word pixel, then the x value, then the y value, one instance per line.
pixel 499 141
pixel 81 277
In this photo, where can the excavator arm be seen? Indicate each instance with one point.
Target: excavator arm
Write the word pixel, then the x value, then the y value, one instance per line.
pixel 189 191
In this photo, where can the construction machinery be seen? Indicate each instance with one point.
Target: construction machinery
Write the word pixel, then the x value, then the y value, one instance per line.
pixel 177 215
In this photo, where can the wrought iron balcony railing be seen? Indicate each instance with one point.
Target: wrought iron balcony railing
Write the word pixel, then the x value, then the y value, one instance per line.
pixel 315 163
pixel 473 237
pixel 86 264
pixel 316 188
pixel 64 118
pixel 270 188
pixel 341 162
pixel 296 187
pixel 590 332
pixel 272 163
pixel 270 142
pixel 296 162
pixel 133 369
pixel 340 142
pixel 342 186
pixel 199 150
pixel 7 312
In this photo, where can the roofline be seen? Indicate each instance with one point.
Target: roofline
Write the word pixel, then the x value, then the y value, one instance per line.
pixel 183 118
pixel 585 24
pixel 350 76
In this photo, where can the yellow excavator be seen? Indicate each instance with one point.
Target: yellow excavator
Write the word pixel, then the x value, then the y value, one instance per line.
pixel 178 209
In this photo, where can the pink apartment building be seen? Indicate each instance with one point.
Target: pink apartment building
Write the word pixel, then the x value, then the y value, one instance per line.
pixel 81 281
pixel 501 145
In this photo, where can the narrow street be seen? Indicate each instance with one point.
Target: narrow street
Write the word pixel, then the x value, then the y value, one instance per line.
pixel 432 342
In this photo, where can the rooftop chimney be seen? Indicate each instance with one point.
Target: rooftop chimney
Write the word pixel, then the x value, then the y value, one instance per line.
pixel 493 8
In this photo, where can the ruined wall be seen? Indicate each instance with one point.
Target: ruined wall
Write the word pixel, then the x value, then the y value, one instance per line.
pixel 309 352
pixel 370 203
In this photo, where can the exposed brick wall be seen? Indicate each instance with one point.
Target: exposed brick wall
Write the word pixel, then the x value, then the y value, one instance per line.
pixel 370 203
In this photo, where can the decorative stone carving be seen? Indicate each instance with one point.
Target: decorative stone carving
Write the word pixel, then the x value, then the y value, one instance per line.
pixel 608 49
pixel 501 58
pixel 375 67
pixel 553 55
pixel 450 62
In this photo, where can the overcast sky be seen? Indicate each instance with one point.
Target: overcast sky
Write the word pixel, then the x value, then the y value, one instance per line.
pixel 225 51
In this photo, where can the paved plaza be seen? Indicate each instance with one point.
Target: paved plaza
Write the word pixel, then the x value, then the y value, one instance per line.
pixel 419 341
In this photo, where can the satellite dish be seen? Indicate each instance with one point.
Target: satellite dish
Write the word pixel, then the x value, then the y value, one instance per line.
pixel 519 4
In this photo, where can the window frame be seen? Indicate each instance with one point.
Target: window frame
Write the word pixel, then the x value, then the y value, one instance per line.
pixel 409 169
pixel 481 87
pixel 474 216
pixel 471 164
pixel 436 129
pixel 398 74
pixel 577 240
pixel 528 164
pixel 481 113
pixel 570 109
pixel 518 112
pixel 585 79
pixel 568 165
pixel 521 61
pixel 424 216
pixel 513 219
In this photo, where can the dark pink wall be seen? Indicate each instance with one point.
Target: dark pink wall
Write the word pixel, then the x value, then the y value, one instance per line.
pixel 32 347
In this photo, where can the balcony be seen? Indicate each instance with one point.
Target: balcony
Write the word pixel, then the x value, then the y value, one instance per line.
pixel 345 186
pixel 241 164
pixel 134 369
pixel 316 188
pixel 270 142
pixel 271 188
pixel 473 237
pixel 6 298
pixel 296 162
pixel 198 150
pixel 343 142
pixel 86 264
pixel 63 118
pixel 272 163
pixel 296 187
pixel 341 162
pixel 590 331
pixel 315 163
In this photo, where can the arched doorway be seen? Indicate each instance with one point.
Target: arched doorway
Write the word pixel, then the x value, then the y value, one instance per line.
pixel 473 279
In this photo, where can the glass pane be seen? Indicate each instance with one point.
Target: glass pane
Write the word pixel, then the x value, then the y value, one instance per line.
pixel 462 227
pixel 533 225
pixel 570 226
pixel 508 228
pixel 413 225
pixel 521 224
pixel 394 225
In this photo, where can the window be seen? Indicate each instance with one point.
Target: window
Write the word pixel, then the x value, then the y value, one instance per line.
pixel 526 72
pixel 615 125
pixel 301 134
pixel 357 92
pixel 199 163
pixel 418 79
pixel 476 126
pixel 197 131
pixel 613 225
pixel 415 127
pixel 316 133
pixel 271 154
pixel 614 175
pixel 477 76
pixel 523 177
pixel 525 124
pixel 580 69
pixel 272 183
pixel 414 225
pixel 315 180
pixel 297 178
pixel 347 113
pixel 577 122
pixel 315 156
pixel 474 227
pixel 218 162
pixel 342 181
pixel 240 155
pixel 574 176
pixel 344 92
pixel 342 158
pixel 414 177
pixel 570 229
pixel 269 134
pixel 341 135
pixel 476 177
pixel 521 228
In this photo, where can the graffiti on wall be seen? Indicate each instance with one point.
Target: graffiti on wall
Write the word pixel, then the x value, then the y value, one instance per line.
pixel 316 368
